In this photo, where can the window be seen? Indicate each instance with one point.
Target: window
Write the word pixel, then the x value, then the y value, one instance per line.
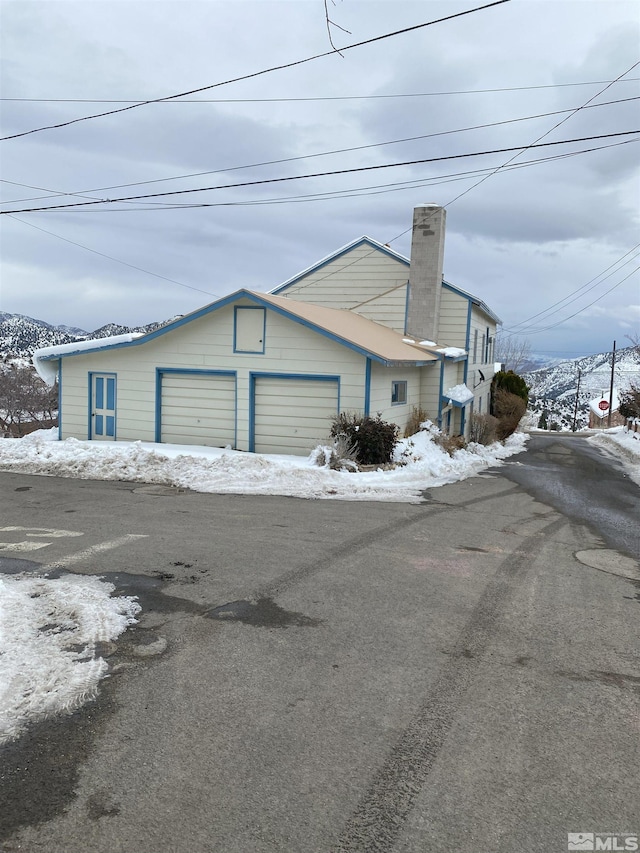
pixel 487 340
pixel 482 346
pixel 475 345
pixel 479 405
pixel 398 393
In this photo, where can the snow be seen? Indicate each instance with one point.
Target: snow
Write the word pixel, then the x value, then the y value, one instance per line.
pixel 624 445
pixel 48 370
pixel 408 341
pixel 428 344
pixel 49 631
pixel 225 471
pixel 452 352
pixel 459 394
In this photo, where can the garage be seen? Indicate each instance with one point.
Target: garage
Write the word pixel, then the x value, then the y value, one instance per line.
pixel 197 407
pixel 291 413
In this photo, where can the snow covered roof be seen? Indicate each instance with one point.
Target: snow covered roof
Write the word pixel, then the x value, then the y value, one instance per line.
pixel 459 395
pixel 602 413
pixel 47 368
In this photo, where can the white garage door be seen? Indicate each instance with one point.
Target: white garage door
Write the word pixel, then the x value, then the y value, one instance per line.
pixel 198 409
pixel 292 415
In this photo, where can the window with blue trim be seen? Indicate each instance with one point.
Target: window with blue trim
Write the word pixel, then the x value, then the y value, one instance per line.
pixel 398 393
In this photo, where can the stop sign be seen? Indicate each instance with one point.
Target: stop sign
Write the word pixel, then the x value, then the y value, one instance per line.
pixel 603 405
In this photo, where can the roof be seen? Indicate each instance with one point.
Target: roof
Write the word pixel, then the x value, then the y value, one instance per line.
pixel 371 339
pixel 602 413
pixel 481 305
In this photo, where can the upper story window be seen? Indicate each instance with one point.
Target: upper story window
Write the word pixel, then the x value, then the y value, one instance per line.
pixel 249 328
pixel 398 393
pixel 475 346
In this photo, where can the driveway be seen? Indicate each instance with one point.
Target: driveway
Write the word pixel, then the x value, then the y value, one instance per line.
pixel 461 674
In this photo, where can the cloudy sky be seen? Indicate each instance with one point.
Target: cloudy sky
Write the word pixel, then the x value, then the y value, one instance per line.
pixel 530 236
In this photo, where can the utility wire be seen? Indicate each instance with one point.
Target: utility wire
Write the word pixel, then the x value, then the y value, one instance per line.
pixel 317 98
pixel 265 181
pixel 111 258
pixel 83 193
pixel 257 73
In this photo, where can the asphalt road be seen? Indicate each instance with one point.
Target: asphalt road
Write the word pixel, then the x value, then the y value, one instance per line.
pixel 325 676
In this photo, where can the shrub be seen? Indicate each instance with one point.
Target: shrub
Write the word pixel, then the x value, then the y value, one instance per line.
pixel 450 443
pixel 417 417
pixel 508 408
pixel 483 429
pixel 374 440
pixel 630 402
pixel 511 382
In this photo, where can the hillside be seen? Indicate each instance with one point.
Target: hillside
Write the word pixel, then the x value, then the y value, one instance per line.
pixel 21 335
pixel 554 388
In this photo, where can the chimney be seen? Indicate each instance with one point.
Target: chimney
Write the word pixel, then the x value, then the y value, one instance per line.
pixel 425 275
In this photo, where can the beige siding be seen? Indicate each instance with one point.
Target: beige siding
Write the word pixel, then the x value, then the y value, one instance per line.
pixel 454 311
pixel 293 415
pixel 380 399
pixel 205 343
pixel 214 400
pixel 364 280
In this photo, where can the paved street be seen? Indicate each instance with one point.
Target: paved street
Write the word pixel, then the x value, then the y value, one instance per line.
pixel 329 676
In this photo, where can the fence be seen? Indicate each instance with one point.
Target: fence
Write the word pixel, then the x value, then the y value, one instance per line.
pixel 633 426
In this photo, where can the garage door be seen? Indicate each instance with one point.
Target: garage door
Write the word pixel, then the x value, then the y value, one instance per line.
pixel 198 409
pixel 292 414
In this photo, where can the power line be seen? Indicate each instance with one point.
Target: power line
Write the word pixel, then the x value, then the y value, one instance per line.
pixel 55 194
pixel 265 181
pixel 317 98
pixel 111 258
pixel 257 73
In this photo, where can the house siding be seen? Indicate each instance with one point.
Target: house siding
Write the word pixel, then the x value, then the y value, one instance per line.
pixel 363 279
pixel 207 344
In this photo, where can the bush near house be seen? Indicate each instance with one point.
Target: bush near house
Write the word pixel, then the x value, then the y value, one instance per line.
pixel 374 440
pixel 509 381
pixel 483 429
pixel 508 408
pixel 417 417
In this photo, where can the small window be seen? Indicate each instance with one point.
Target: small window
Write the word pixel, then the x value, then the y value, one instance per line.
pixel 475 346
pixel 398 393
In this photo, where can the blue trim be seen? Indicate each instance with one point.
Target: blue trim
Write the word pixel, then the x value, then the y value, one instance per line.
pixel 466 364
pixel 253 375
pixel 60 403
pixel 198 372
pixel 440 394
pixel 367 387
pixel 361 241
pixel 482 305
pixel 448 401
pixel 406 306
pixel 223 303
pixel 238 308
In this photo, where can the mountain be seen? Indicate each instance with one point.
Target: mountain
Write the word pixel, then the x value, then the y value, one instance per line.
pixel 553 389
pixel 21 335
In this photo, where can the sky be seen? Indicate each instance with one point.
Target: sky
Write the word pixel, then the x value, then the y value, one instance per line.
pixel 545 237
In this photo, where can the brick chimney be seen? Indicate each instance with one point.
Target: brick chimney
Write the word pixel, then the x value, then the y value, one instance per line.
pixel 425 275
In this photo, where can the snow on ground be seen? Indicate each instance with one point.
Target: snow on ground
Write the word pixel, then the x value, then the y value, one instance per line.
pixel 208 469
pixel 623 445
pixel 49 629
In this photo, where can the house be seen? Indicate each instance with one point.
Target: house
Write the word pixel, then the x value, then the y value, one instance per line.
pixel 365 329
pixel 599 412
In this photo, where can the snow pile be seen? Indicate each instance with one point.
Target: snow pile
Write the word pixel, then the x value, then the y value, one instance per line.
pixel 452 352
pixel 459 394
pixel 48 635
pixel 624 445
pixel 206 469
pixel 48 370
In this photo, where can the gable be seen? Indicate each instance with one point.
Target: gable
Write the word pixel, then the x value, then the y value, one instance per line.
pixel 365 277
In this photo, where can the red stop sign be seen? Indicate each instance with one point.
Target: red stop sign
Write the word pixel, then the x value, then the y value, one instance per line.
pixel 603 405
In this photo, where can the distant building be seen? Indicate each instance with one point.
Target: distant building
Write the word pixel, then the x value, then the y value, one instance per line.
pixel 599 412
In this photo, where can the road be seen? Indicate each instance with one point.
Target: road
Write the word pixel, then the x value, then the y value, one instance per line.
pixel 461 674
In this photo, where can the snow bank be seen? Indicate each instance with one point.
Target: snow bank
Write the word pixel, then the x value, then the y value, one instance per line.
pixel 623 445
pixel 48 635
pixel 206 469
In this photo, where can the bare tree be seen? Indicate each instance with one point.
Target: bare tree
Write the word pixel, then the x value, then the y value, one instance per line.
pixel 25 400
pixel 512 351
pixel 331 23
